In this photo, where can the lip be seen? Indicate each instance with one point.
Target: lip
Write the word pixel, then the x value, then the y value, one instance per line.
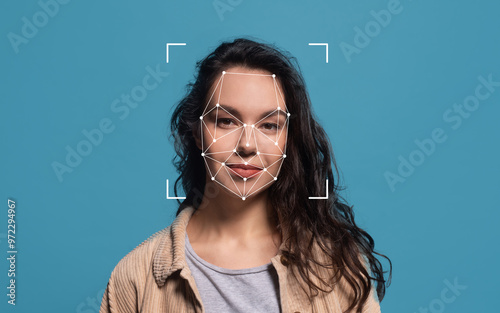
pixel 245 171
pixel 245 167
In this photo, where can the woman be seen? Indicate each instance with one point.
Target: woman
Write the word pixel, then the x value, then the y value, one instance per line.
pixel 248 237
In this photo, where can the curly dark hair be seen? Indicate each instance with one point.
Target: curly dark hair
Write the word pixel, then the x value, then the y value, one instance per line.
pixel 329 221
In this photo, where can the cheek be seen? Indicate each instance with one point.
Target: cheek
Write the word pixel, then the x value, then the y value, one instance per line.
pixel 272 142
pixel 221 145
pixel 272 154
pixel 223 140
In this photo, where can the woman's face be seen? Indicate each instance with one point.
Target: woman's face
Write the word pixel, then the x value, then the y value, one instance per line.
pixel 244 131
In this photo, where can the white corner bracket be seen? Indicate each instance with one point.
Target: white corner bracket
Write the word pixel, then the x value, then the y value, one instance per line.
pixel 326 197
pixel 168 197
pixel 321 44
pixel 174 44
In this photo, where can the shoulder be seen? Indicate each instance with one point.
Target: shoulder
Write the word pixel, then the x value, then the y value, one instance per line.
pixel 152 260
pixel 136 264
pixel 346 291
pixel 123 291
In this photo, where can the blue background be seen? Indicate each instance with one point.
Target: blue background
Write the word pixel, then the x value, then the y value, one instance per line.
pixel 440 224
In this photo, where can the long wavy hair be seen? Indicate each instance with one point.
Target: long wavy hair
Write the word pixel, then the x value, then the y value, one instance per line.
pixel 330 222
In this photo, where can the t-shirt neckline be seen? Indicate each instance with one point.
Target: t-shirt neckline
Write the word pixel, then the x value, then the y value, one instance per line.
pixel 222 270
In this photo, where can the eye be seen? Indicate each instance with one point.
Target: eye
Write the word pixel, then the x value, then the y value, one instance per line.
pixel 270 126
pixel 224 122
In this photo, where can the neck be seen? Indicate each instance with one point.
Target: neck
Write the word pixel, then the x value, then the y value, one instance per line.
pixel 226 216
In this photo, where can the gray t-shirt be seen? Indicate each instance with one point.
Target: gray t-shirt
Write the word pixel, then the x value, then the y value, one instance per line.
pixel 223 290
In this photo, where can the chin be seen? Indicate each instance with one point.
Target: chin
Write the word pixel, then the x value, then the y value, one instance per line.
pixel 234 192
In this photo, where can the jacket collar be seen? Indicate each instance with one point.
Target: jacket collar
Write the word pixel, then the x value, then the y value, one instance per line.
pixel 170 254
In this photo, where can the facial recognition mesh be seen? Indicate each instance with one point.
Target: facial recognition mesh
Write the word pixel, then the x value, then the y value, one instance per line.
pixel 252 153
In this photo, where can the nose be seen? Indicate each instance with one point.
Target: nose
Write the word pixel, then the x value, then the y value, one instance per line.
pixel 247 144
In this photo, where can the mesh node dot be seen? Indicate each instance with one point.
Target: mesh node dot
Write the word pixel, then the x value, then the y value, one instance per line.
pixel 243 198
pixel 217 105
pixel 213 178
pixel 247 144
pixel 244 125
pixel 201 117
pixel 253 125
pixel 279 108
pixel 276 143
pixel 244 179
pixel 246 163
pixel 275 178
pixel 223 72
pixel 234 150
pixel 274 75
pixel 258 152
pixel 265 169
pixel 288 114
pixel 202 154
pixel 284 155
pixel 223 163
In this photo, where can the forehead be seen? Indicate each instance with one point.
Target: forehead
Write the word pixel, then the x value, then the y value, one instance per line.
pixel 247 90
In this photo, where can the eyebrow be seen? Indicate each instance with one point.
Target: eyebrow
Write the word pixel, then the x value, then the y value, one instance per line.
pixel 235 112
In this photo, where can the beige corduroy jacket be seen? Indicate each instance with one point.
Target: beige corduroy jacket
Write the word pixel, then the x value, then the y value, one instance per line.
pixel 154 277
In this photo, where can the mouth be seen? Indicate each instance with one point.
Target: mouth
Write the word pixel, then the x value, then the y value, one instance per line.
pixel 244 171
